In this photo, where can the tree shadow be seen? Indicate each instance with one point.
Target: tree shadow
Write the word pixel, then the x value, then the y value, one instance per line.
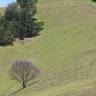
pixel 12 94
pixel 21 89
pixel 94 0
pixel 30 84
pixel 6 44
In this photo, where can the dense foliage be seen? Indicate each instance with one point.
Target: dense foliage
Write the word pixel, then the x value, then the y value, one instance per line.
pixel 6 35
pixel 20 21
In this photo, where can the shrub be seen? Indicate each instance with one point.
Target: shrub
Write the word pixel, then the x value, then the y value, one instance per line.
pixel 6 35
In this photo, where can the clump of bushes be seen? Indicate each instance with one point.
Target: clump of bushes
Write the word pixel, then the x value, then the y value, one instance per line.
pixel 6 36
pixel 19 22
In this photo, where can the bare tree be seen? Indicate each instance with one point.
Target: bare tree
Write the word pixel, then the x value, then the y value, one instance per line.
pixel 23 71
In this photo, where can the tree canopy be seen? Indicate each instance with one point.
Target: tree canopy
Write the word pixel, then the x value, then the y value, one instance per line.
pixel 23 71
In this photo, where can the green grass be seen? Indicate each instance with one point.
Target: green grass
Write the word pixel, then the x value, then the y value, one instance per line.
pixel 63 89
pixel 65 51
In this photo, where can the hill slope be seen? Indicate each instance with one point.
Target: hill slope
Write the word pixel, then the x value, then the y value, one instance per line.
pixel 65 51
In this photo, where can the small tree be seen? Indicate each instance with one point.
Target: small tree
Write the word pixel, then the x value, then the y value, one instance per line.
pixel 23 71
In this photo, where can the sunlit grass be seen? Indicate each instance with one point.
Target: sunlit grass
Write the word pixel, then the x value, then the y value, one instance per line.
pixel 65 51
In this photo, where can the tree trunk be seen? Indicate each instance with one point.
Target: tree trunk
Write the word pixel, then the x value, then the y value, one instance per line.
pixel 24 85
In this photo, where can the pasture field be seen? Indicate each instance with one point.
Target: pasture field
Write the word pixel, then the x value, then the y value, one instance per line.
pixel 65 51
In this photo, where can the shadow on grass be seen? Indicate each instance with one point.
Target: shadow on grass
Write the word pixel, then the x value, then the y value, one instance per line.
pixel 21 89
pixel 12 94
pixel 94 0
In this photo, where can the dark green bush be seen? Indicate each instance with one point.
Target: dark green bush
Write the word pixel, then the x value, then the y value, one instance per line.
pixel 6 35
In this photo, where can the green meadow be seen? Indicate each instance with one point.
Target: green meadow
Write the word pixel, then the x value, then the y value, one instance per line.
pixel 65 52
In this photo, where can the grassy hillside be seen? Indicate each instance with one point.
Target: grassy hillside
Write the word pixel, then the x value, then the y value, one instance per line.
pixel 65 51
